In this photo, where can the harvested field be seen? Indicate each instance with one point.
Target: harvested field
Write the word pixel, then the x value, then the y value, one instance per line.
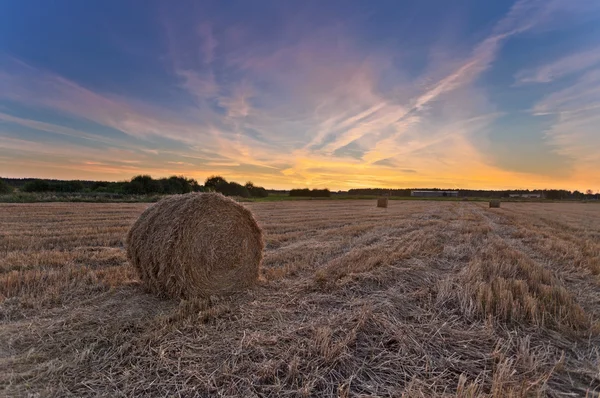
pixel 421 299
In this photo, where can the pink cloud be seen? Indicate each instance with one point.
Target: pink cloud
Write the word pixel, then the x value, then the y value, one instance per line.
pixel 238 103
pixel 41 88
pixel 208 41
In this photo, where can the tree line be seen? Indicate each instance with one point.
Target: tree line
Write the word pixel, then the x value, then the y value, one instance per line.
pixel 219 184
pixel 138 185
pixel 311 193
pixel 553 194
pixel 146 185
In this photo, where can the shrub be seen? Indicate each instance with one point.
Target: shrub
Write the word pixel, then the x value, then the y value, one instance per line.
pixel 233 189
pixel 141 185
pixel 213 182
pixel 315 193
pixel 305 192
pixel 67 186
pixel 37 186
pixel 256 192
pixel 4 187
pixel 179 184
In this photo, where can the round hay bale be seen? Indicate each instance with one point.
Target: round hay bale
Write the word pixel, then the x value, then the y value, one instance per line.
pixel 196 245
pixel 382 202
pixel 495 203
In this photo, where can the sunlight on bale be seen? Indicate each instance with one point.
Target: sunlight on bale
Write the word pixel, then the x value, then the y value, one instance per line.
pixel 196 245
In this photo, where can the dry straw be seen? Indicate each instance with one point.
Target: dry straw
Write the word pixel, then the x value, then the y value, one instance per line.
pixel 495 203
pixel 196 245
pixel 382 202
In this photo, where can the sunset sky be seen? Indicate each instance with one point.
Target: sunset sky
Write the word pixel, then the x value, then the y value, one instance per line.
pixel 337 94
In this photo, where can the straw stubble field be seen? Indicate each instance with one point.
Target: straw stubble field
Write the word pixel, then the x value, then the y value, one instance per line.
pixel 419 299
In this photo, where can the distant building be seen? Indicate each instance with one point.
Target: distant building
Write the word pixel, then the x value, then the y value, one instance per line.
pixel 435 193
pixel 526 195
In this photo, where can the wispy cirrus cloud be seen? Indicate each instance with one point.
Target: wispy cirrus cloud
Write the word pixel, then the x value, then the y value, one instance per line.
pixel 56 129
pixel 568 65
pixel 583 95
pixel 576 116
pixel 208 41
pixel 36 87
pixel 237 102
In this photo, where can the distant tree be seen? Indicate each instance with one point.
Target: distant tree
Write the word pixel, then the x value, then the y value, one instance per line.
pixel 213 182
pixel 142 184
pixel 578 195
pixel 109 187
pixel 4 187
pixel 320 193
pixel 99 184
pixel 37 186
pixel 303 192
pixel 220 184
pixel 67 186
pixel 379 191
pixel 256 192
pixel 133 188
pixel 178 184
pixel 315 193
pixel 195 186
pixel 233 189
pixel 555 194
pixel 589 192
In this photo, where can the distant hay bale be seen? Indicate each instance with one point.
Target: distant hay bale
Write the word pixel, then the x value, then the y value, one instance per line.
pixel 382 202
pixel 495 203
pixel 196 245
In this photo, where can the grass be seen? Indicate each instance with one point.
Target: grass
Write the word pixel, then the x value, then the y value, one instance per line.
pixel 424 298
pixel 334 196
pixel 102 197
pixel 87 197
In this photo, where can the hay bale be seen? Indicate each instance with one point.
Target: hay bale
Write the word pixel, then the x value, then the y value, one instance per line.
pixel 495 203
pixel 382 202
pixel 196 245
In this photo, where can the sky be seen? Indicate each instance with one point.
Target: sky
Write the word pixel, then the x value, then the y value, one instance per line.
pixel 337 94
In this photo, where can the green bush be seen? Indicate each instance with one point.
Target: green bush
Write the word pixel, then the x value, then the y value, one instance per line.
pixel 233 189
pixel 179 184
pixel 221 185
pixel 67 186
pixel 256 192
pixel 37 186
pixel 315 193
pixel 142 185
pixel 4 187
pixel 213 182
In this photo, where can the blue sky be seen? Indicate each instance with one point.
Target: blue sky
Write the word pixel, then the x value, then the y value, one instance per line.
pixel 334 94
